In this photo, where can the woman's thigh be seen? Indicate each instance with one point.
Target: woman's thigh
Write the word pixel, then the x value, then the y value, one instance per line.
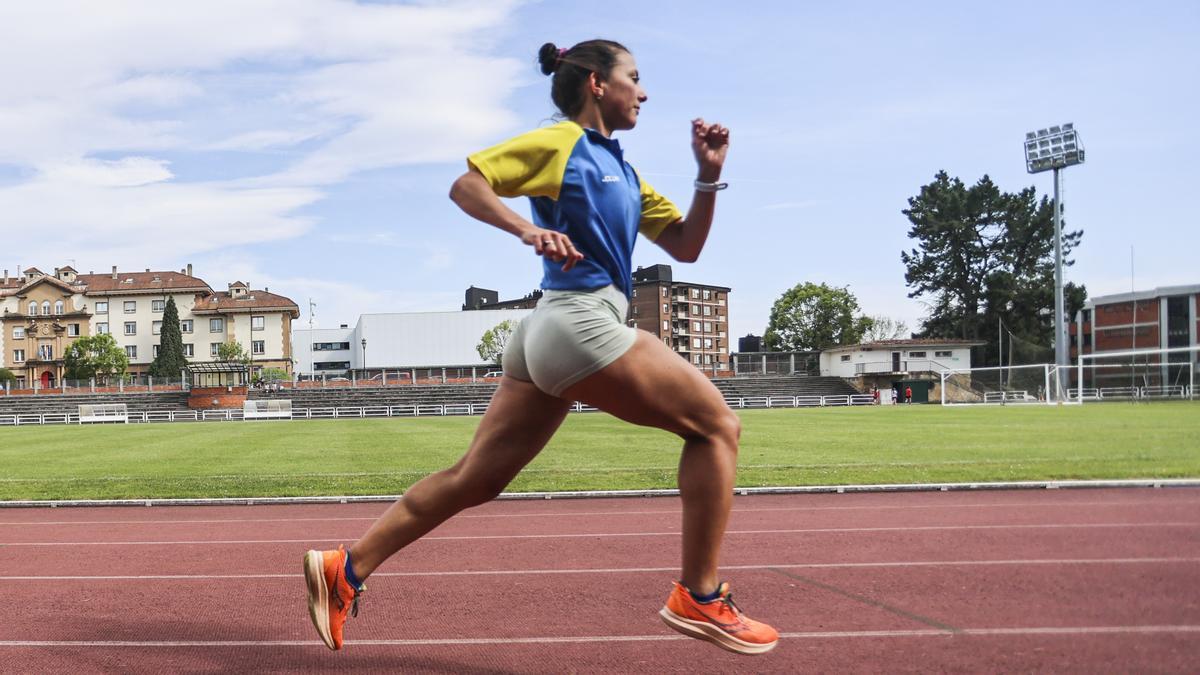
pixel 652 386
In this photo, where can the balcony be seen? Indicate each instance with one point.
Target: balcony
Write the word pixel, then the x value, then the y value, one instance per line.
pixel 905 366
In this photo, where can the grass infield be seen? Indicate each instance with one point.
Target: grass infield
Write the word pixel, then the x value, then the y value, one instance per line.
pixel 815 446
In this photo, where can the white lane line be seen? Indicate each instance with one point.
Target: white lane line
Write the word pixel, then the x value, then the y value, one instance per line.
pixel 567 514
pixel 627 570
pixel 584 639
pixel 611 535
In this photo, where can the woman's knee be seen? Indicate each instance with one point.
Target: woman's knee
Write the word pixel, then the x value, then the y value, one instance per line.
pixel 721 426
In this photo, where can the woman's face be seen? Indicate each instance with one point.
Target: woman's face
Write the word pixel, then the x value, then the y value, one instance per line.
pixel 622 95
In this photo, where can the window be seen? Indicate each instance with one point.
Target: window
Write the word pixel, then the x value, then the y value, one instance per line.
pixel 258 347
pixel 695 343
pixel 708 359
pixel 156 327
pixel 46 307
pixel 19 356
pixel 18 332
pixel 664 291
pixel 102 307
pixel 131 351
pixel 635 310
pixel 943 355
pixel 845 358
pixel 696 326
pixel 666 325
pixel 102 328
pixel 58 307
pixel 185 326
pixel 33 309
pixel 258 322
pixel 707 310
pixel 329 346
pixel 706 294
pixel 331 365
pixel 189 349
pixel 696 359
pixel 695 309
pixel 131 328
pixel 130 306
pixel 708 343
pixel 46 352
pixel 916 355
pixel 695 292
pixel 666 309
pixel 154 351
pixel 72 330
pixel 158 305
pixel 635 292
pixel 213 347
pixel 216 325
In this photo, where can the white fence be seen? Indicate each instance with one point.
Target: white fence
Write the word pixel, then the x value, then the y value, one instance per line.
pixel 425 410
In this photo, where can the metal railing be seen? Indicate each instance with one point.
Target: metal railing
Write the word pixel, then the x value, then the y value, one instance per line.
pixel 411 410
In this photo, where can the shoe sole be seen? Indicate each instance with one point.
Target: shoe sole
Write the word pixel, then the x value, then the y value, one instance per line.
pixel 703 630
pixel 318 595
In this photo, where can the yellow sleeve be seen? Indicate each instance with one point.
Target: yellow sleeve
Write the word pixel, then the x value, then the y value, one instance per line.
pixel 530 165
pixel 658 212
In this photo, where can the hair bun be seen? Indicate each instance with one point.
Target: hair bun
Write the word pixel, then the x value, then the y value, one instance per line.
pixel 548 57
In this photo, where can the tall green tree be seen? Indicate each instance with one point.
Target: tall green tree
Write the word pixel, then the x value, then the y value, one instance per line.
pixel 97 356
pixel 170 361
pixel 983 257
pixel 232 351
pixel 885 328
pixel 6 375
pixel 491 345
pixel 812 316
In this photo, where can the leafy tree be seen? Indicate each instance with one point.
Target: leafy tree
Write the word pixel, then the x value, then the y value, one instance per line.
pixel 97 356
pixel 491 345
pixel 6 375
pixel 274 374
pixel 813 317
pixel 232 351
pixel 984 256
pixel 885 328
pixel 170 360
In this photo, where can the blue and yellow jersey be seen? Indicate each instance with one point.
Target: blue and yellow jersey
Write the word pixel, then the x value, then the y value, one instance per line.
pixel 580 185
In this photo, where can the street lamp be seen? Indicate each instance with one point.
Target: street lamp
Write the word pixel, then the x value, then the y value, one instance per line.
pixel 364 346
pixel 1054 149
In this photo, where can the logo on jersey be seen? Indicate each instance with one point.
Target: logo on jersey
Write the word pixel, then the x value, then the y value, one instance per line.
pixel 611 179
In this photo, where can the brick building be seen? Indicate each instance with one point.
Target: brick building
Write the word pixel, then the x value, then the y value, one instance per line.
pixel 692 319
pixel 1161 318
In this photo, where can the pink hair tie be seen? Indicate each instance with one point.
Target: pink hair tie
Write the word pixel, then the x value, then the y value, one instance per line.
pixel 561 52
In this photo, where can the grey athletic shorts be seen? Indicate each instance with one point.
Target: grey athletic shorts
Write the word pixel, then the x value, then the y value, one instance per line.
pixel 570 335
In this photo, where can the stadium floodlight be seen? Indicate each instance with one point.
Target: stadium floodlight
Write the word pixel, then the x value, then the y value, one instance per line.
pixel 1054 149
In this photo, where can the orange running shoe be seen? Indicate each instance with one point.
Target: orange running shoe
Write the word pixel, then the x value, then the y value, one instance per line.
pixel 330 596
pixel 718 621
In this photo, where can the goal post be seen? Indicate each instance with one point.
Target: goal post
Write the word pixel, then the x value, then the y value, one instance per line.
pixel 1135 374
pixel 1002 385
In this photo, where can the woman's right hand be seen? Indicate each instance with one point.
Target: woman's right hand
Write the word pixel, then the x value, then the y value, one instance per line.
pixel 554 245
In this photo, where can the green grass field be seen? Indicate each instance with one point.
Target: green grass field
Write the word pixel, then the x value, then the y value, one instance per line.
pixel 893 444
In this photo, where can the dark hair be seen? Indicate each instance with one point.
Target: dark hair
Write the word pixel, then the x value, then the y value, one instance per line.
pixel 571 68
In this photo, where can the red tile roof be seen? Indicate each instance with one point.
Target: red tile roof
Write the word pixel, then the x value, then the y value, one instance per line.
pixel 252 300
pixel 101 284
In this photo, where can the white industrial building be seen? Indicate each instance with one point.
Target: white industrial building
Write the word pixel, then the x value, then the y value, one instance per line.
pixel 401 341
pixel 890 357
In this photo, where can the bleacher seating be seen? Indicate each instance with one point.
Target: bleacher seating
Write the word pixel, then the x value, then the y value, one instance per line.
pixel 103 412
pixel 69 403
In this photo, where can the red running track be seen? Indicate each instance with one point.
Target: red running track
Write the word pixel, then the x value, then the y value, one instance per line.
pixel 1051 580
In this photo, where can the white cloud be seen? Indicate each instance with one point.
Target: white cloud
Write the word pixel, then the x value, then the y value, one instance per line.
pixel 116 114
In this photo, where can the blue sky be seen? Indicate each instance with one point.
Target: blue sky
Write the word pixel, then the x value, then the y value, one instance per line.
pixel 308 145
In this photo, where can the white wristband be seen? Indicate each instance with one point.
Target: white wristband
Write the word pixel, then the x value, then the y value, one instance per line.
pixel 701 186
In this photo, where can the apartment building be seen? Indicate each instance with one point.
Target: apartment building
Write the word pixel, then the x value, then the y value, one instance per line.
pixel 41 315
pixel 690 318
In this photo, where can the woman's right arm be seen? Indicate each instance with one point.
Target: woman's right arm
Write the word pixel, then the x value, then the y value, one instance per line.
pixel 472 193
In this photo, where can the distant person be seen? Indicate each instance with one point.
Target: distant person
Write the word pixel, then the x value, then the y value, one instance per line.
pixel 588 207
pixel 908 394
pixel 875 394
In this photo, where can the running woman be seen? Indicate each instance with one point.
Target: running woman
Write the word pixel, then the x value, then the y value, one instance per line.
pixel 588 206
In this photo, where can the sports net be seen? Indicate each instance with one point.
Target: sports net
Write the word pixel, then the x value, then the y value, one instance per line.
pixel 1141 374
pixel 1006 385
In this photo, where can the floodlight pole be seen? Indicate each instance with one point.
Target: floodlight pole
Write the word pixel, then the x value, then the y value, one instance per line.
pixel 1060 323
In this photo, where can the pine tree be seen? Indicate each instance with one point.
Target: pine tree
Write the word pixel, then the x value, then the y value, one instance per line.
pixel 170 360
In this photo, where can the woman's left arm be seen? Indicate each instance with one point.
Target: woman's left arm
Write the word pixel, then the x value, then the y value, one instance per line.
pixel 685 239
